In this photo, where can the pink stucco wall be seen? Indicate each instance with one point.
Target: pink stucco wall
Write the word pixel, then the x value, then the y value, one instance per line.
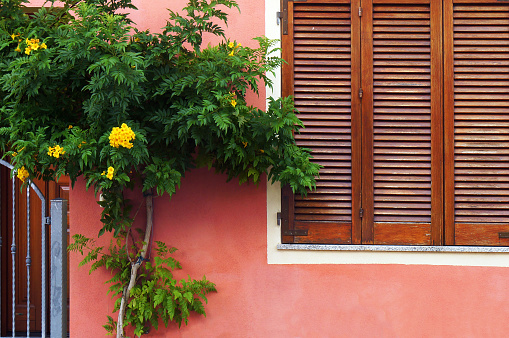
pixel 220 230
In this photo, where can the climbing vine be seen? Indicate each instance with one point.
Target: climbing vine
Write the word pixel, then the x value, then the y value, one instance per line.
pixel 85 93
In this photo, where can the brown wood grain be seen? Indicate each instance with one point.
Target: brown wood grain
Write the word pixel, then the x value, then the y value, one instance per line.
pixel 437 124
pixel 472 234
pixel 367 122
pixel 324 233
pixel 402 234
pixel 357 124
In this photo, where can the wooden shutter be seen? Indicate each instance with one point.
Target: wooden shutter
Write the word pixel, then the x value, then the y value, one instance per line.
pixel 477 122
pixel 423 157
pixel 404 110
pixel 321 59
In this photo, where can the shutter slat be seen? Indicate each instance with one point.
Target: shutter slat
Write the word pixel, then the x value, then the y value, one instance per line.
pixel 471 178
pixel 422 200
pixel 311 22
pixel 383 205
pixel 478 22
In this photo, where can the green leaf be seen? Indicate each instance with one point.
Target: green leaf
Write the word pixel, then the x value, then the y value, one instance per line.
pixel 189 296
pixel 159 297
pixel 170 307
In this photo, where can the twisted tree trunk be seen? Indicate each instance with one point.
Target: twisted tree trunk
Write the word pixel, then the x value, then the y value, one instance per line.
pixel 134 269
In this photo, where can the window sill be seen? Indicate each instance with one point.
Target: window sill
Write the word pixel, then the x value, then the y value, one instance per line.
pixel 393 248
pixel 385 254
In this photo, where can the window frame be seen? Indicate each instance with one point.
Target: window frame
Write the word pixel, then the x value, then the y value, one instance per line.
pixel 440 232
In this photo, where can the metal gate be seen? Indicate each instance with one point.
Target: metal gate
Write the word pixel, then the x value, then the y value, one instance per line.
pixel 58 261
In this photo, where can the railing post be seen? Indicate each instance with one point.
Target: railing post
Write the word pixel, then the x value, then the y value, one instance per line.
pixel 58 272
pixel 1 286
pixel 13 257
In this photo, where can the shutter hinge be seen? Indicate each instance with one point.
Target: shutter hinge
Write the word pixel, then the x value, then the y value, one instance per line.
pixel 284 15
pixel 295 233
pixel 291 232
pixel 361 213
pixel 503 235
pixel 47 221
pixel 279 16
pixel 360 11
pixel 360 93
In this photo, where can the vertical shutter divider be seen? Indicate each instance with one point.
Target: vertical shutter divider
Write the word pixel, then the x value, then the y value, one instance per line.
pixel 287 55
pixel 437 153
pixel 367 122
pixel 287 214
pixel 448 124
pixel 356 123
pixel 287 196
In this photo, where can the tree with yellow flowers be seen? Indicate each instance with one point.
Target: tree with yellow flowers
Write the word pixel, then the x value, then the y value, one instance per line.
pixel 84 93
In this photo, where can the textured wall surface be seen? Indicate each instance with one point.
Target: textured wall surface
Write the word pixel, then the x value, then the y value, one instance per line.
pixel 220 231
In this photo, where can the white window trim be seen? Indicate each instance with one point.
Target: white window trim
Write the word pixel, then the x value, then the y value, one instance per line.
pixel 278 253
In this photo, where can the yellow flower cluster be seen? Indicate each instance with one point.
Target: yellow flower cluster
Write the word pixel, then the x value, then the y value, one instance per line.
pixel 231 99
pixel 109 175
pixel 233 47
pixel 122 136
pixel 14 153
pixel 56 151
pixel 32 44
pixel 22 174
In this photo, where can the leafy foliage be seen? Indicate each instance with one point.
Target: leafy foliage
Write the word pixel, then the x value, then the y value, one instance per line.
pixel 179 101
pixel 71 75
pixel 157 295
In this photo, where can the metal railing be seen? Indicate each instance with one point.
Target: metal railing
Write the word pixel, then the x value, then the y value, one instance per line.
pixel 58 261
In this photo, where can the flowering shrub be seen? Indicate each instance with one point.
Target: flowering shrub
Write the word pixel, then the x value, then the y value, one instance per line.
pixel 56 151
pixel 109 175
pixel 71 75
pixel 32 44
pixel 233 46
pixel 22 174
pixel 122 137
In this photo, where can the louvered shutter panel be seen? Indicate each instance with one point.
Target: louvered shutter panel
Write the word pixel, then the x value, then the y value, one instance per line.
pixel 477 122
pixel 318 49
pixel 405 107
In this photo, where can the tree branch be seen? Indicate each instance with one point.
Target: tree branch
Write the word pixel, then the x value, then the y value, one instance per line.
pixel 134 269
